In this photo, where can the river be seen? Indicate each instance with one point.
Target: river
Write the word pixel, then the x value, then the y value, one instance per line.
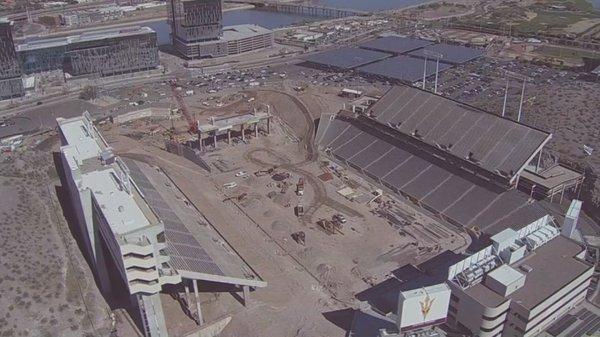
pixel 265 19
pixel 273 20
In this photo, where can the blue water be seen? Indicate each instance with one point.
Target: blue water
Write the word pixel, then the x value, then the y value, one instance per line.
pixel 369 5
pixel 265 19
pixel 595 3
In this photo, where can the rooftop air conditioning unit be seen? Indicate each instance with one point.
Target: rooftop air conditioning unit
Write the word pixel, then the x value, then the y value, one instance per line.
pixel 526 268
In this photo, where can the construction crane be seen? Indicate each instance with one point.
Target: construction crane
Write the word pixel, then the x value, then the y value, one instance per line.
pixel 176 91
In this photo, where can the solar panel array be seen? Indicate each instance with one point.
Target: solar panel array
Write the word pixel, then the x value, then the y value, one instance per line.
pixel 346 58
pixel 374 58
pixel 583 323
pixel 185 251
pixel 458 198
pixel 450 53
pixel 403 68
pixel 494 143
pixel 395 44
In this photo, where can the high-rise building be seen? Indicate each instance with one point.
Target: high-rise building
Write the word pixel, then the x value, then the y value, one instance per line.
pixel 11 84
pixel 195 21
pixel 197 31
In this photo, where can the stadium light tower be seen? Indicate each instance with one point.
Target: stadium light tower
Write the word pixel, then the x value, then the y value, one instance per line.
pixel 505 97
pixel 424 69
pixel 521 103
pixel 437 56
pixel 519 77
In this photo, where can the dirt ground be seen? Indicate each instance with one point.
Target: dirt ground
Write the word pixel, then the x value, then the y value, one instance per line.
pixel 306 283
pixel 46 287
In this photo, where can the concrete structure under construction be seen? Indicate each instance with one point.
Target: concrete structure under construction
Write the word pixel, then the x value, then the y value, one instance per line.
pixel 226 126
pixel 11 84
pixel 197 31
pixel 105 52
pixel 133 227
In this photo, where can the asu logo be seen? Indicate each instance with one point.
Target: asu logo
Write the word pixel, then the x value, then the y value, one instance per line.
pixel 426 305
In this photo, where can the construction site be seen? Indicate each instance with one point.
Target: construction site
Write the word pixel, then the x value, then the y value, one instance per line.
pixel 338 180
pixel 253 170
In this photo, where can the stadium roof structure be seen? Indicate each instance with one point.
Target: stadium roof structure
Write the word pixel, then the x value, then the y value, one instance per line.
pixel 402 68
pixel 477 139
pixel 449 192
pixel 346 58
pixel 395 44
pixel 196 249
pixel 450 53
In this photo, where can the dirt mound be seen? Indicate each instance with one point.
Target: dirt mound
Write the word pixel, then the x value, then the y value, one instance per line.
pixel 279 225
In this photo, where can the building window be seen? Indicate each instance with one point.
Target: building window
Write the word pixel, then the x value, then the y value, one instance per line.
pixel 486 318
pixel 494 328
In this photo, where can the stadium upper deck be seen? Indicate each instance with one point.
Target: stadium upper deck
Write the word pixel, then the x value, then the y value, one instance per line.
pixel 478 139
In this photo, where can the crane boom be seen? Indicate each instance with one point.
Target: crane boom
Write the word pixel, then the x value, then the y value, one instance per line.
pixel 192 123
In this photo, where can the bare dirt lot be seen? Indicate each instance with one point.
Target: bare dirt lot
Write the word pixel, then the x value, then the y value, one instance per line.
pixel 307 282
pixel 46 287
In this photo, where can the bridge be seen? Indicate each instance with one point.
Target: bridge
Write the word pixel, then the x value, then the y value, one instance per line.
pixel 300 9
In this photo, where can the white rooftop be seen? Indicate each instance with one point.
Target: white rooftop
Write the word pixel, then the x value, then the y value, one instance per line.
pixel 79 136
pixel 118 207
pixel 431 290
pixel 505 275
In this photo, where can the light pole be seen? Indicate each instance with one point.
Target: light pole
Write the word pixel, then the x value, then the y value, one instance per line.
pixel 505 97
pixel 437 56
pixel 424 70
pixel 521 103
pixel 517 77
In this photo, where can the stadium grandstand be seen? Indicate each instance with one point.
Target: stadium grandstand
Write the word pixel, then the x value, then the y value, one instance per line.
pixel 458 162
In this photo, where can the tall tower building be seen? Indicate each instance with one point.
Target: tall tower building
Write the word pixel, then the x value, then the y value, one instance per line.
pixel 193 22
pixel 11 84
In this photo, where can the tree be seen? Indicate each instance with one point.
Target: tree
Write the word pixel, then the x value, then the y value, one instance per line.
pixel 88 93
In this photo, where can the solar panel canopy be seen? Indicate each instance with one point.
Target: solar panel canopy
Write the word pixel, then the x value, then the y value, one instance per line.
pixel 395 44
pixel 449 53
pixel 346 58
pixel 403 68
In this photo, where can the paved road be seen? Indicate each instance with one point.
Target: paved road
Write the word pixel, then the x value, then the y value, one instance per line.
pixel 17 126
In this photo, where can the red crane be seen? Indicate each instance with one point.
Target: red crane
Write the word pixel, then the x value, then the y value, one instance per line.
pixel 176 91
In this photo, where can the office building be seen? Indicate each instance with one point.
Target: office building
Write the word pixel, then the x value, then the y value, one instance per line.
pixel 197 31
pixel 10 72
pixel 105 52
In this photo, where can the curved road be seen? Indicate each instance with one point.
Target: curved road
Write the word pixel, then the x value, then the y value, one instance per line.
pixel 321 198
